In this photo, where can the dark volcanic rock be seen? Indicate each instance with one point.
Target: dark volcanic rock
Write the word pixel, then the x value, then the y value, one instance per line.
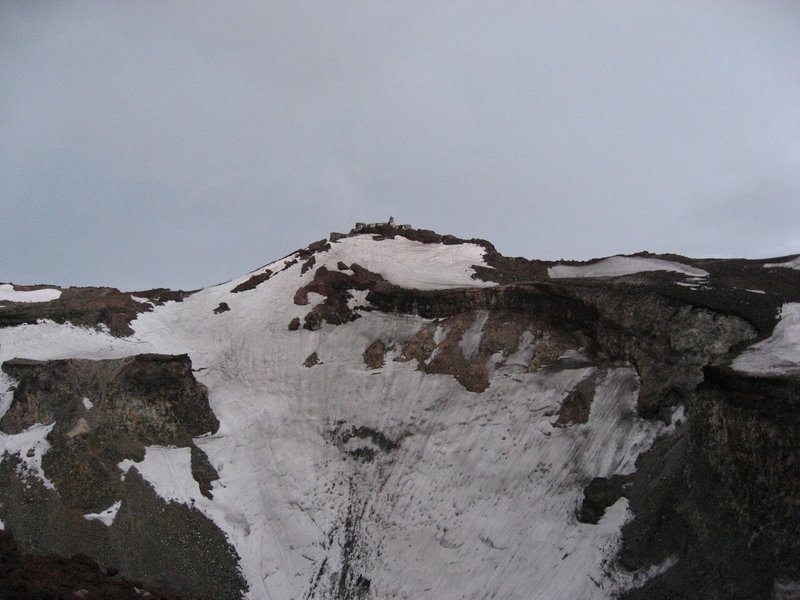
pixel 576 406
pixel 87 307
pixel 136 401
pixel 335 286
pixel 667 341
pixel 311 360
pixel 164 544
pixel 253 282
pixel 32 577
pixel 374 354
pixel 104 412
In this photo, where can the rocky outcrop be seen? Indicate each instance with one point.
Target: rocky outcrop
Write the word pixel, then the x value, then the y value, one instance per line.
pixel 253 282
pixel 165 545
pixel 374 355
pixel 89 307
pixel 103 412
pixel 668 341
pixel 746 455
pixel 335 286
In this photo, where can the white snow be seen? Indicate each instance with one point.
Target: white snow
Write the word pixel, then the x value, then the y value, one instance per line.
pixel 411 264
pixel 7 292
pixel 107 516
pixel 479 498
pixel 471 339
pixel 87 404
pixel 28 446
pixel 779 354
pixel 616 266
pixel 790 264
pixel 169 471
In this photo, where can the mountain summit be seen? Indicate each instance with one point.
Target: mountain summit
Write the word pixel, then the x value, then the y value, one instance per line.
pixel 394 413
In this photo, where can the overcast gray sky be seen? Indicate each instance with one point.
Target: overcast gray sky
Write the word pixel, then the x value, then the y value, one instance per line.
pixel 181 144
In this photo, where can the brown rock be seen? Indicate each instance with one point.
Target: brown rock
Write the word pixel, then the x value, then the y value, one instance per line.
pixel 374 354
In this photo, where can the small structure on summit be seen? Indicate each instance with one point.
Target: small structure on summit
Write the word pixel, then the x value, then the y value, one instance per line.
pixel 380 228
pixel 390 224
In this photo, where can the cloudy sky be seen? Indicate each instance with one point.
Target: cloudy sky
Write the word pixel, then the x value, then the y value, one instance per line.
pixel 181 144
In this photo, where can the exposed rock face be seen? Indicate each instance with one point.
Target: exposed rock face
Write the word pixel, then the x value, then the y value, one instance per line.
pixel 335 286
pixel 103 412
pixel 745 449
pixel 667 342
pixel 135 402
pixel 166 544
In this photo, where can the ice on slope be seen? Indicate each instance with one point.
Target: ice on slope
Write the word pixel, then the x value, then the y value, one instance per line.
pixel 616 266
pixel 779 354
pixel 7 292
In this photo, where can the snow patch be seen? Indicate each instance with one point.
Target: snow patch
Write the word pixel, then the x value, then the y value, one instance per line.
pixel 411 264
pixel 169 471
pixel 617 266
pixel 7 292
pixel 790 264
pixel 87 404
pixel 107 516
pixel 471 339
pixel 29 445
pixel 779 354
pixel 359 299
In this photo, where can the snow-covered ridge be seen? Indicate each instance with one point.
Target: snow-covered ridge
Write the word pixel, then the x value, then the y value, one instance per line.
pixel 7 292
pixel 617 266
pixel 410 264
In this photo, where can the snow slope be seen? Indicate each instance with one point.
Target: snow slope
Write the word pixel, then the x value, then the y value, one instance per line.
pixel 7 292
pixel 478 499
pixel 779 354
pixel 616 266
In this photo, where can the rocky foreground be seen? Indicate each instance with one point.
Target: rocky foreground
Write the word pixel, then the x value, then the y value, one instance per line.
pixel 394 413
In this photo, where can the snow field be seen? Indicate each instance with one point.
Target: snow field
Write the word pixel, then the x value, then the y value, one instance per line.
pixel 617 266
pixel 7 292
